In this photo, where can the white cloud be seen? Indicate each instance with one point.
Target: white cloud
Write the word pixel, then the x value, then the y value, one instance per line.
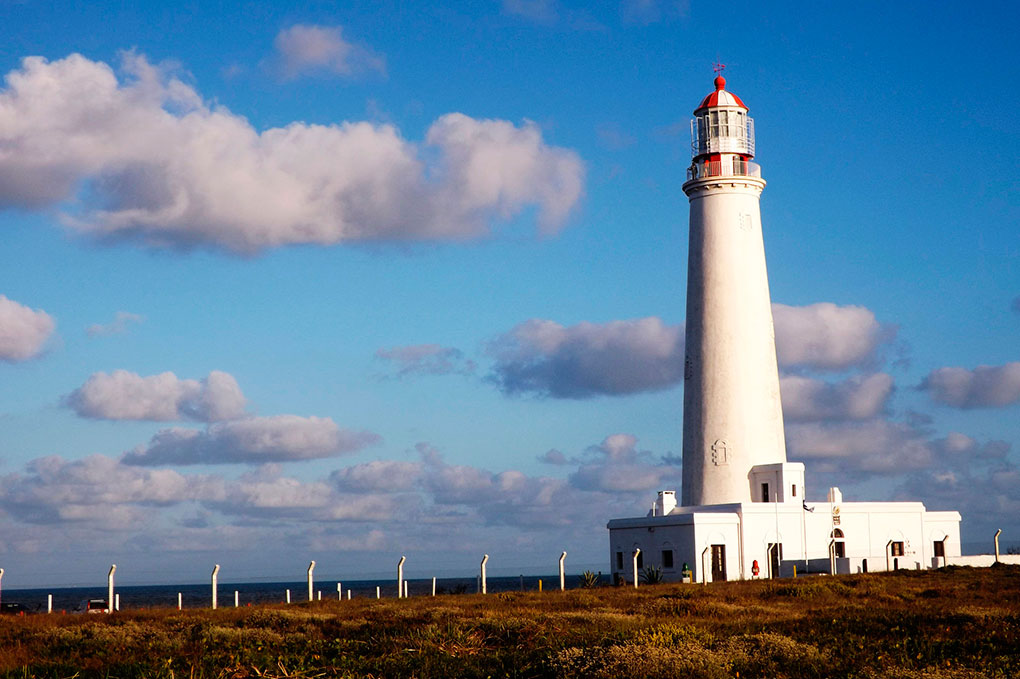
pixel 164 168
pixel 97 488
pixel 495 166
pixel 378 475
pixel 427 359
pixel 986 386
pixel 540 11
pixel 871 446
pixel 616 465
pixel 252 440
pixel 978 480
pixel 857 398
pixel 588 359
pixel 824 336
pixel 645 12
pixel 23 331
pixel 124 395
pixel 306 49
pixel 118 326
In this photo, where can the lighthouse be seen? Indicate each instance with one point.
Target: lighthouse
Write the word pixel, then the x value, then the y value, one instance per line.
pixel 744 510
pixel 733 417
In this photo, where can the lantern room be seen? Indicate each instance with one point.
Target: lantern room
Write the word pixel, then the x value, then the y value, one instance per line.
pixel 722 136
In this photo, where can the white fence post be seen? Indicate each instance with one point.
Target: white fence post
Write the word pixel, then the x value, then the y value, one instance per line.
pixel 637 553
pixel 485 559
pixel 311 567
pixel 288 596
pixel 339 591
pixel 180 601
pixel 433 585
pixel 237 599
pixel 109 588
pixel 49 603
pixel 215 574
pixel 563 582
pixel 400 577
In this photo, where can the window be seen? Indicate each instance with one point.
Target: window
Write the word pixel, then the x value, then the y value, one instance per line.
pixel 667 558
pixel 896 549
pixel 619 561
pixel 940 549
pixel 794 490
pixel 764 492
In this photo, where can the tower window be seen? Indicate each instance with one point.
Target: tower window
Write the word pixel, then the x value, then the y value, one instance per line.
pixel 793 491
pixel 764 492
pixel 896 549
pixel 667 558
pixel 619 561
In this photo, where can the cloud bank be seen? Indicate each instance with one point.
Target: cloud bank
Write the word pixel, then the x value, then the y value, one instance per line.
pixel 857 398
pixel 23 331
pixel 252 440
pixel 621 357
pixel 544 358
pixel 986 386
pixel 124 395
pixel 147 159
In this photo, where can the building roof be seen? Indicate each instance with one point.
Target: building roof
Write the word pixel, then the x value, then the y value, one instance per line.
pixel 720 97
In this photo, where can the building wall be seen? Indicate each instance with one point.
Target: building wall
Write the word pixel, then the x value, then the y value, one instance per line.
pixel 687 536
pixel 747 530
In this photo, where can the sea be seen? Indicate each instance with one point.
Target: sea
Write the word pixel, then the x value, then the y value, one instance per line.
pixel 70 600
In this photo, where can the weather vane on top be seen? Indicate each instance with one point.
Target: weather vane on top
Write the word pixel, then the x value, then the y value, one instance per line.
pixel 718 68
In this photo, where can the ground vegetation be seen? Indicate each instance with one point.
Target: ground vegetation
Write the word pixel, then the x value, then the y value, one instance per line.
pixel 955 623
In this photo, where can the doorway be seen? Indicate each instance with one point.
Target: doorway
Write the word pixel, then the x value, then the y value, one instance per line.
pixel 775 552
pixel 718 563
pixel 839 543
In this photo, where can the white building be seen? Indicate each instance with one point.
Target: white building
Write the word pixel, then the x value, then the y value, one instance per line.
pixel 743 512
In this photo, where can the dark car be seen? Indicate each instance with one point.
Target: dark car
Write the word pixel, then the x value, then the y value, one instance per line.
pixel 14 608
pixel 92 606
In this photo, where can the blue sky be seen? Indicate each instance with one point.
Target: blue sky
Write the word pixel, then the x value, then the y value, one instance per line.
pixel 418 273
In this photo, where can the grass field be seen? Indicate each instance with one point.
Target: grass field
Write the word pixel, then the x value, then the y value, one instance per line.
pixel 957 623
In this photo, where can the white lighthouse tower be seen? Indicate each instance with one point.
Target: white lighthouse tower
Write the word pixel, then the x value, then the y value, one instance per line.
pixel 733 418
pixel 744 511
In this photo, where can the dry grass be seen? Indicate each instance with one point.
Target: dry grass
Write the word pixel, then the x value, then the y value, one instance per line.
pixel 959 623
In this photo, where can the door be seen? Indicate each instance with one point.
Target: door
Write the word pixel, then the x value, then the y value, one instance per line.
pixel 718 563
pixel 775 552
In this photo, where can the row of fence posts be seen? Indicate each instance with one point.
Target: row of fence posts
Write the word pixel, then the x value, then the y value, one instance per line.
pixel 113 599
